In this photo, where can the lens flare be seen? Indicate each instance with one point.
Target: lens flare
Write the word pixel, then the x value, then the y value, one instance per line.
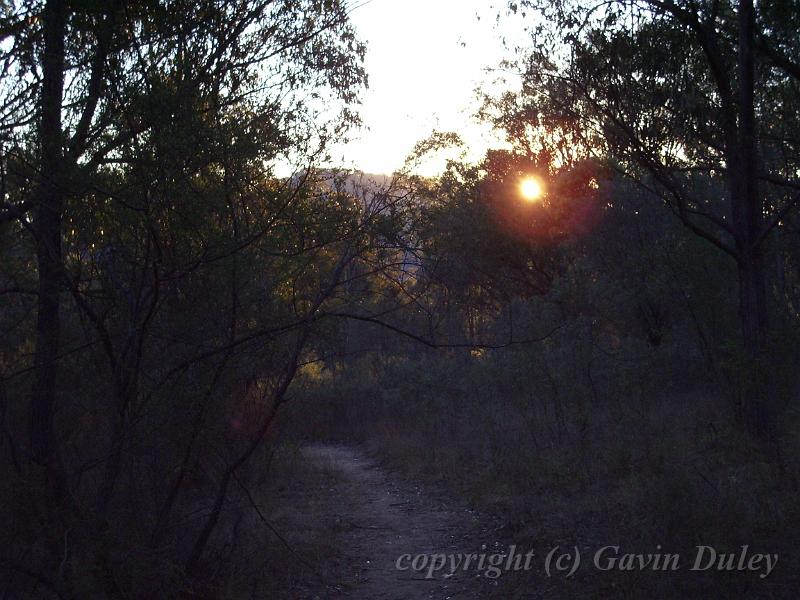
pixel 530 189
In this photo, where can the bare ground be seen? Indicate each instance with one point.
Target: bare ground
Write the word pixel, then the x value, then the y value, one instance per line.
pixel 369 518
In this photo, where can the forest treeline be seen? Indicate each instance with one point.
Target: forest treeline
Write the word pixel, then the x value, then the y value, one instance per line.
pixel 622 350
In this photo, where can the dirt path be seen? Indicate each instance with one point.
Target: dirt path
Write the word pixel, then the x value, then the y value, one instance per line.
pixel 380 518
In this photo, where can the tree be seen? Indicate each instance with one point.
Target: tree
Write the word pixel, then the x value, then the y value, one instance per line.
pixel 690 100
pixel 139 142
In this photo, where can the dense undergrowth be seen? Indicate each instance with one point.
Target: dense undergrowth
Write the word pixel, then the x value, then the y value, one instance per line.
pixel 649 459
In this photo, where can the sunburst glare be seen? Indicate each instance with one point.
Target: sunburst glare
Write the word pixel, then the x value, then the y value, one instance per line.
pixel 531 189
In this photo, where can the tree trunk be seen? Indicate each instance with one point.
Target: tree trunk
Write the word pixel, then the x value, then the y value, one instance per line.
pixel 759 393
pixel 49 197
pixel 759 401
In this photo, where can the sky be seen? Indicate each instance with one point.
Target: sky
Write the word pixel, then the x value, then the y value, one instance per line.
pixel 424 60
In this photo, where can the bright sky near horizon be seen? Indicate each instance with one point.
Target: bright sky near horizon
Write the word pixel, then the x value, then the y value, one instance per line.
pixel 424 59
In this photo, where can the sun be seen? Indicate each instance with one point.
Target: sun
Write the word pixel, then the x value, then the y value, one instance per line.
pixel 531 189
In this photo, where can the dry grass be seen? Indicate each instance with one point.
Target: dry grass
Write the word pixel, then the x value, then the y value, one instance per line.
pixel 660 468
